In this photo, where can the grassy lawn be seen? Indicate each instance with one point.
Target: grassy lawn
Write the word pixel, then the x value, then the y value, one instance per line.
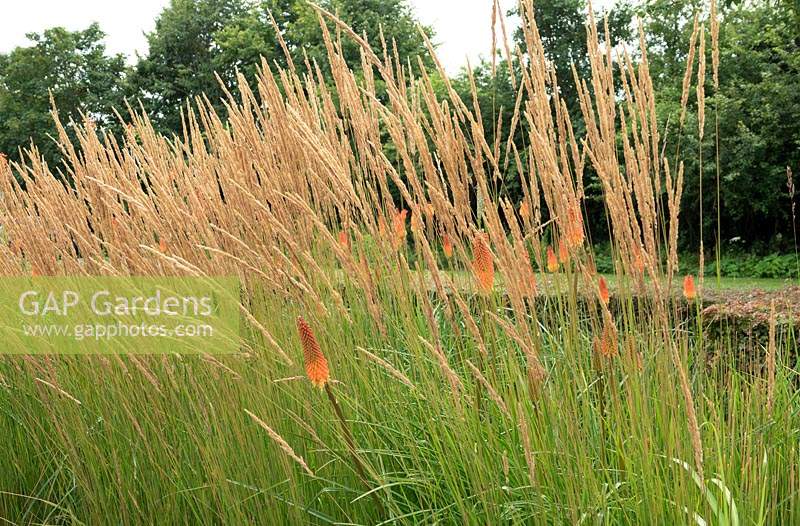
pixel 743 284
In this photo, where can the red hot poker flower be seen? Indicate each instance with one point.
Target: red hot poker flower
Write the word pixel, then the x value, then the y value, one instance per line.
pixel 483 264
pixel 315 362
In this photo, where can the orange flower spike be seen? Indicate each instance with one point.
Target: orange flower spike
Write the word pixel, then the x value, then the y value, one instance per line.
pixel 447 246
pixel 315 362
pixel 162 245
pixel 575 227
pixel 689 290
pixel 552 262
pixel 563 254
pixel 605 296
pixel 483 264
pixel 344 240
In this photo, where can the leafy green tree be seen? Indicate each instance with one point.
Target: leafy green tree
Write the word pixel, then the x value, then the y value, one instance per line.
pixel 183 56
pixel 74 68
pixel 759 121
pixel 194 39
pixel 562 26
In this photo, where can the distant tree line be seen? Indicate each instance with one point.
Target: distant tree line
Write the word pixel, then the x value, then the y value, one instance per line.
pixel 756 109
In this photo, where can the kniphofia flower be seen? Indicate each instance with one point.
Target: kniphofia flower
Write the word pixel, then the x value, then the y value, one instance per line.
pixel 563 253
pixel 447 246
pixel 574 237
pixel 552 262
pixel 689 290
pixel 399 229
pixel 344 240
pixel 483 264
pixel 315 362
pixel 162 245
pixel 602 286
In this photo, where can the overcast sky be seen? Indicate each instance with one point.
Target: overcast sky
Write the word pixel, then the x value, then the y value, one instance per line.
pixel 463 27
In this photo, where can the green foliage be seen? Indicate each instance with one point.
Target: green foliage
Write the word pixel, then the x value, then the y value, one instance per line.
pixel 759 118
pixel 184 54
pixel 562 26
pixel 73 69
pixel 733 264
pixel 750 266
pixel 194 39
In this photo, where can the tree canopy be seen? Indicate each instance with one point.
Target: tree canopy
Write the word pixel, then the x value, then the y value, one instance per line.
pixel 74 69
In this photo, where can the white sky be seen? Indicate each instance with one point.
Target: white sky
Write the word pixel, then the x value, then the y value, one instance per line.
pixel 462 26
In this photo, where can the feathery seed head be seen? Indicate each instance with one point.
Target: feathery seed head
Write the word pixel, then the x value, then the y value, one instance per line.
pixel 524 211
pixel 606 344
pixel 430 211
pixel 416 222
pixel 382 228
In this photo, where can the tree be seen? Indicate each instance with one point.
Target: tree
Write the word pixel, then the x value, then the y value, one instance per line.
pixel 759 120
pixel 562 26
pixel 73 67
pixel 183 55
pixel 194 39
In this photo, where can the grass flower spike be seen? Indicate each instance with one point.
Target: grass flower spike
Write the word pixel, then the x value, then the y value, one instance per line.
pixel 524 211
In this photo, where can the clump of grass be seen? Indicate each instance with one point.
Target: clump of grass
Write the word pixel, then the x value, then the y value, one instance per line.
pixel 535 397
